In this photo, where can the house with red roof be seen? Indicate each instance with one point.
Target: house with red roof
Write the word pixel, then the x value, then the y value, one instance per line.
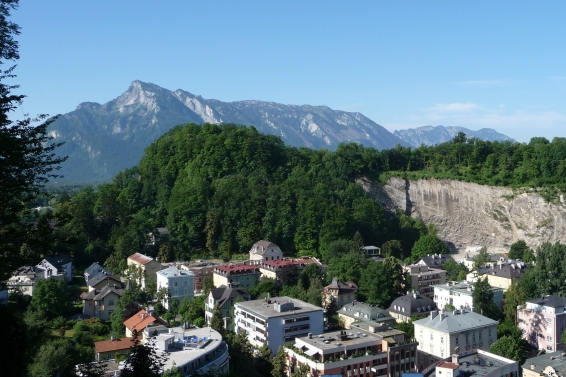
pixel 240 275
pixel 148 266
pixel 110 349
pixel 140 321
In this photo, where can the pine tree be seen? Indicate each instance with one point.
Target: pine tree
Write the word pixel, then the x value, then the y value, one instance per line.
pixel 279 363
pixel 217 322
pixel 143 360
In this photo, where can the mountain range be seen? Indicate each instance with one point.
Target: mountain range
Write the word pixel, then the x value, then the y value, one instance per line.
pixel 102 139
pixel 429 135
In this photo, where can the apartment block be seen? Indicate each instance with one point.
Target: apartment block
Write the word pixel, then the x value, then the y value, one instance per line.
pixel 542 321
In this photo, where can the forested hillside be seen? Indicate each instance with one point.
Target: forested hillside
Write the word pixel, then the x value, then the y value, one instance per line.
pixel 219 189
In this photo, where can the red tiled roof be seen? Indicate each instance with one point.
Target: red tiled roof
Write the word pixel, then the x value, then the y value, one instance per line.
pixel 140 258
pixel 288 262
pixel 113 345
pixel 140 321
pixel 447 364
pixel 237 267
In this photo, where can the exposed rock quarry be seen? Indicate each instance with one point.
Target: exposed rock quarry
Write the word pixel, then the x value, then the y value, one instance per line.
pixel 469 215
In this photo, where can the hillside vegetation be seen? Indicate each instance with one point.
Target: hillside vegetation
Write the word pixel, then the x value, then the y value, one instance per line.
pixel 219 189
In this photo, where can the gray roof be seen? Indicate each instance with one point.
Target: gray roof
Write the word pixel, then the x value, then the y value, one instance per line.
pixel 99 294
pixel 509 270
pixel 58 261
pixel 266 310
pixel 223 293
pixel 103 276
pixel 553 359
pixel 412 304
pixel 434 260
pixel 449 322
pixel 550 301
pixel 367 312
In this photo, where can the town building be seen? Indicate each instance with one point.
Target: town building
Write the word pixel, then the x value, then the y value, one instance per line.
pixel 276 268
pixel 244 275
pixel 412 304
pixel 148 266
pixel 433 261
pixel 542 321
pixel 142 320
pixel 101 303
pixel 23 280
pixel 371 251
pixel 58 267
pixel 338 294
pixel 424 277
pixel 442 334
pixel 104 279
pixel 278 320
pixel 475 362
pixel 459 295
pixel 502 275
pixel 265 251
pixel 201 273
pixel 113 348
pixel 179 284
pixel 348 354
pixel 225 297
pixel 551 364
pixel 93 270
pixel 364 315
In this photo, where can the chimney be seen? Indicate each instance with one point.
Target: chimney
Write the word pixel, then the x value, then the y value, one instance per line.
pixel 433 314
pixel 456 358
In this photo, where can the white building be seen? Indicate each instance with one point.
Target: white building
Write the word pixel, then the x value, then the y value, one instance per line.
pixel 459 295
pixel 265 251
pixel 59 267
pixel 277 320
pixel 23 280
pixel 446 333
pixel 179 283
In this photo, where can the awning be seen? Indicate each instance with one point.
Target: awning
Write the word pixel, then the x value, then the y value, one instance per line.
pixel 311 352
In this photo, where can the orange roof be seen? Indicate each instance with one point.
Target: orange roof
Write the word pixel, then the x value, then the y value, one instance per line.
pixel 140 258
pixel 140 321
pixel 113 345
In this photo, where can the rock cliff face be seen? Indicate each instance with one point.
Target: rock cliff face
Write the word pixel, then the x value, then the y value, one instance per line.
pixel 469 215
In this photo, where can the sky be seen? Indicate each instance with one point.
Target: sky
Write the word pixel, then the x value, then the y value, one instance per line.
pixel 403 64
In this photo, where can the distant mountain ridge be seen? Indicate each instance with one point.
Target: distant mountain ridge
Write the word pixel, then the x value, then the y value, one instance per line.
pixel 429 135
pixel 102 140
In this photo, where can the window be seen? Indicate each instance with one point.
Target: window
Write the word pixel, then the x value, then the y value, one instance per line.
pixel 110 302
pixel 456 340
pixel 549 339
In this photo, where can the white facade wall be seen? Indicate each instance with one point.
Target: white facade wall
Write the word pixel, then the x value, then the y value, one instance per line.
pixel 180 283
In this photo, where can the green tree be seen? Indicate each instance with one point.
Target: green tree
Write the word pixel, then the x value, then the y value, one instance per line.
pixel 27 158
pixel 279 362
pixel 518 250
pixel 50 297
pixel 54 358
pixel 262 360
pixel 143 360
pixel 513 298
pixel 455 271
pixel 481 259
pixel 482 298
pixel 428 244
pixel 217 322
pixel 511 347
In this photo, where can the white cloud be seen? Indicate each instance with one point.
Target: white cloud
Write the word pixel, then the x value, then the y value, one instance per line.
pixel 454 107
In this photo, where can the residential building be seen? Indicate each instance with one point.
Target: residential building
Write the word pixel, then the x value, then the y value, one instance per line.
pixel 265 251
pixel 244 275
pixel 412 304
pixel 102 280
pixel 542 321
pixel 101 303
pixel 93 270
pixel 148 266
pixel 276 321
pixel 274 269
pixel 371 251
pixel 194 351
pixel 364 315
pixel 442 334
pixel 551 364
pixel 501 275
pixel 201 273
pixel 180 284
pixel 113 348
pixel 58 267
pixel 459 295
pixel 351 354
pixel 433 261
pixel 225 297
pixel 338 294
pixel 140 321
pixel 424 277
pixel 474 362
pixel 23 280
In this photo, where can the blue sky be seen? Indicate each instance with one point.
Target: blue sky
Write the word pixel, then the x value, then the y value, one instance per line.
pixel 403 64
